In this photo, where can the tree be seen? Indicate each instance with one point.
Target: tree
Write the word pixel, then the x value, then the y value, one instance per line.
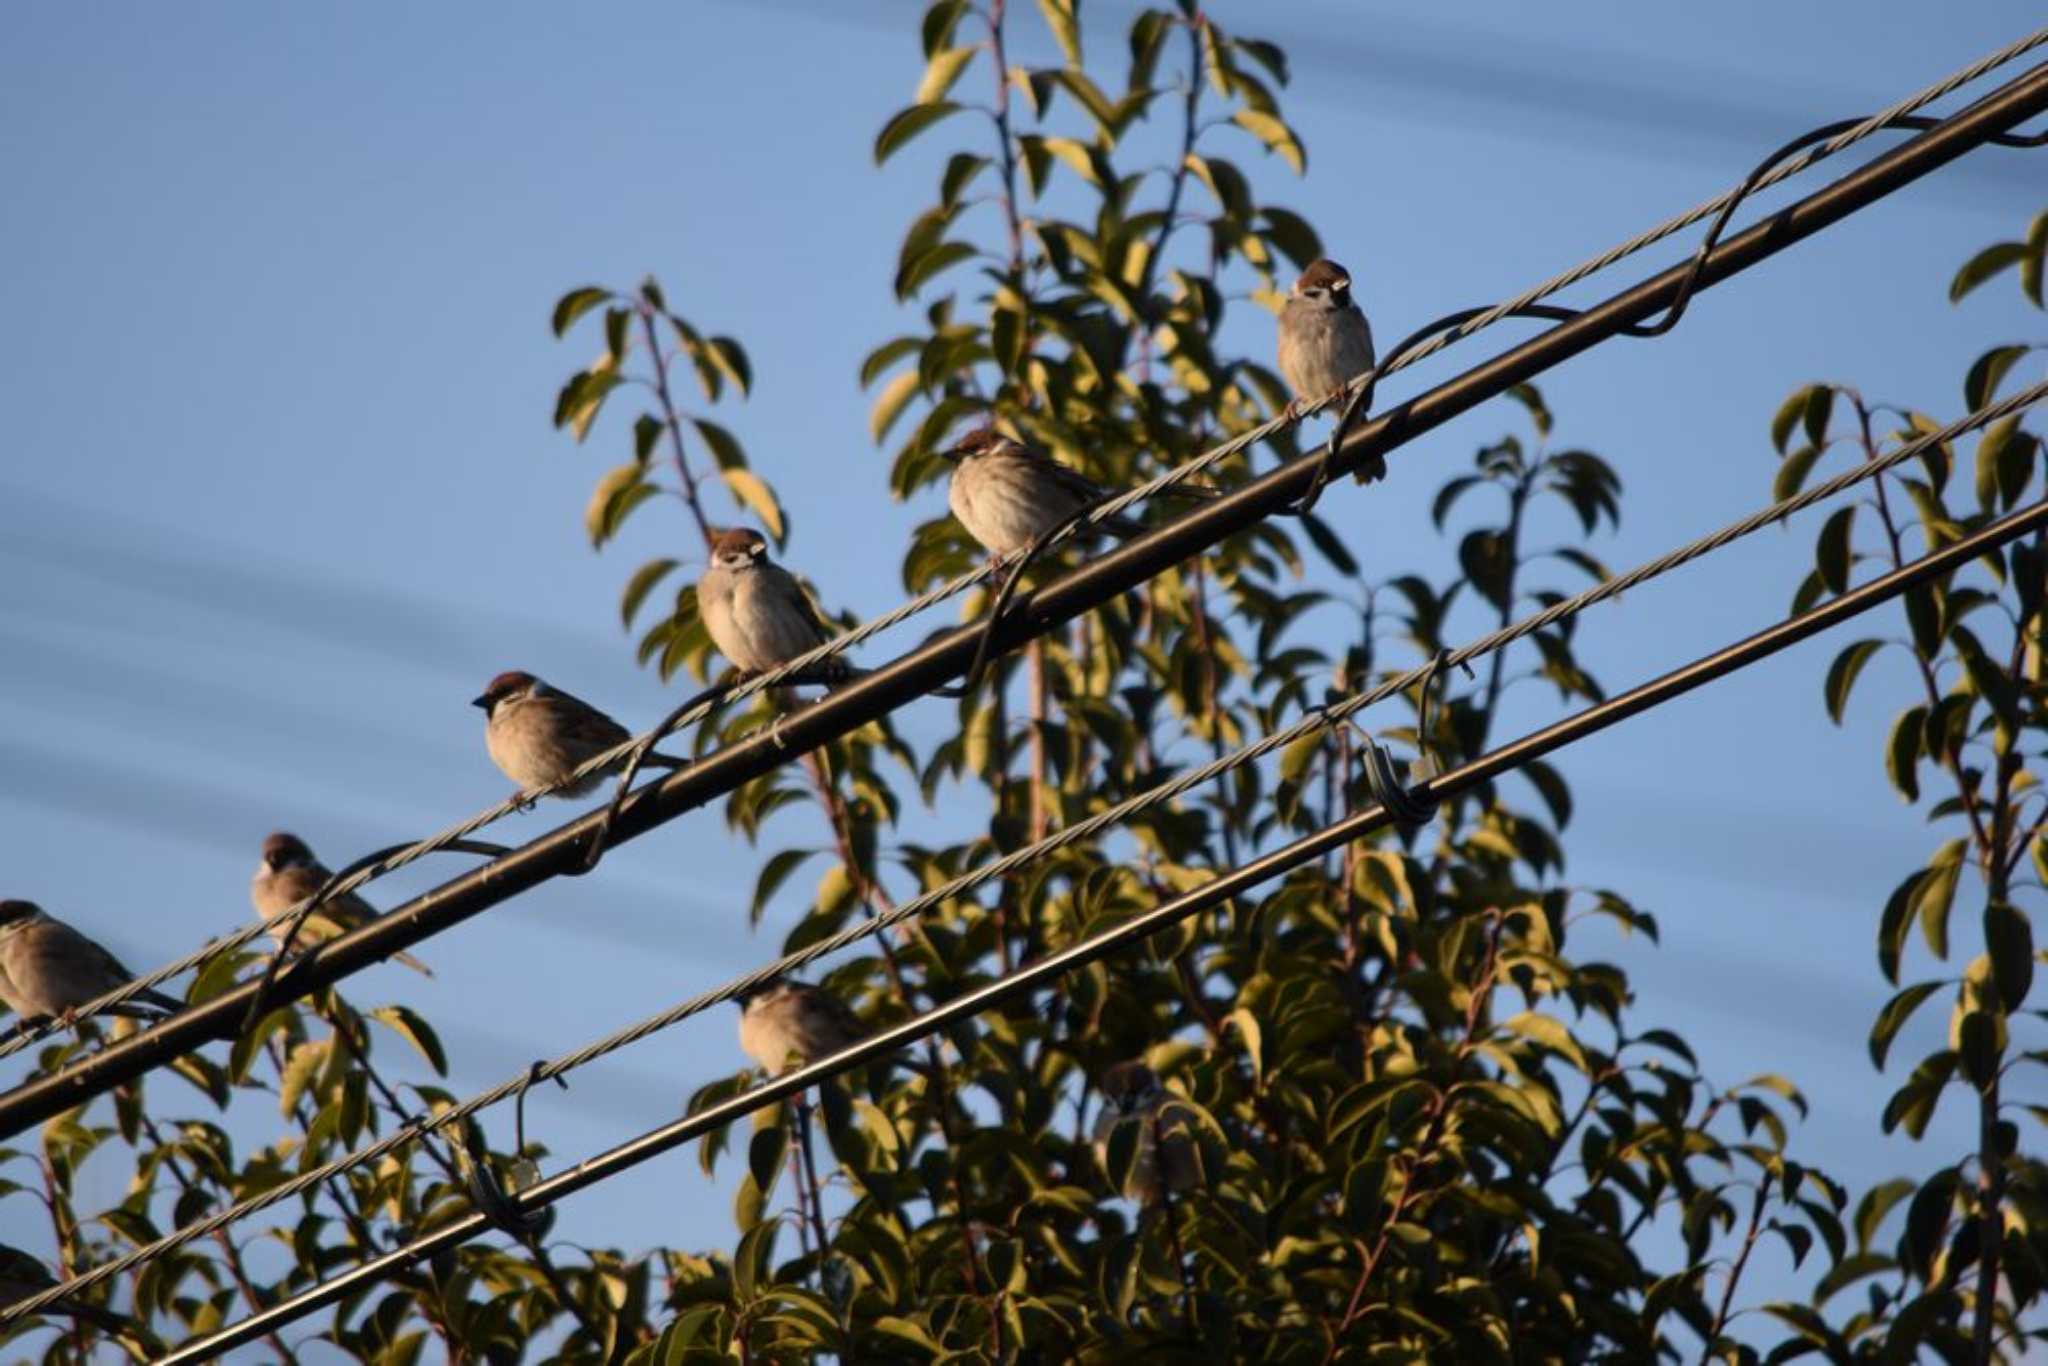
pixel 1407 1111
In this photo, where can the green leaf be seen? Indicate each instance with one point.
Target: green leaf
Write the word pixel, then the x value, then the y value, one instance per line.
pixel 765 1153
pixel 575 304
pixel 1927 1220
pixel 1290 232
pixel 2032 264
pixel 1979 1043
pixel 1842 675
pixel 724 446
pixel 752 491
pixel 929 263
pixel 1985 264
pixel 1792 473
pixel 2009 942
pixel 1820 406
pixel 907 124
pixel 1064 19
pixel 1790 413
pixel 640 585
pixel 620 491
pixel 940 73
pixel 940 20
pixel 730 357
pixel 409 1026
pixel 1277 136
pixel 647 430
pixel 1894 1016
pixel 1936 896
pixel 1324 539
pixel 1902 752
pixel 890 403
pixel 1834 553
pixel 1912 1105
pixel 773 874
pixel 1980 386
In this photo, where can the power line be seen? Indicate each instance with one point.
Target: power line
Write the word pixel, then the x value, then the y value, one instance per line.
pixel 1321 719
pixel 1307 850
pixel 916 673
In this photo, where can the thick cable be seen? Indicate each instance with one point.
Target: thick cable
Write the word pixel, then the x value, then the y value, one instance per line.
pixel 1302 852
pixel 943 658
pixel 1325 717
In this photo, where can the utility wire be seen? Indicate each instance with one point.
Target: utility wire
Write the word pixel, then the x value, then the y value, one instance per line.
pixel 1327 717
pixel 914 674
pixel 1304 851
pixel 803 664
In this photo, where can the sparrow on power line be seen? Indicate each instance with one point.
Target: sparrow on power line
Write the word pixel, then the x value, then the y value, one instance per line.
pixel 785 1024
pixel 756 612
pixel 539 735
pixel 48 970
pixel 1165 1156
pixel 286 875
pixel 1325 342
pixel 1008 494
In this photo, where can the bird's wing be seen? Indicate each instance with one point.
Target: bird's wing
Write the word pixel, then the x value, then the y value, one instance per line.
pixel 836 1013
pixel 1072 481
pixel 584 721
pixel 788 587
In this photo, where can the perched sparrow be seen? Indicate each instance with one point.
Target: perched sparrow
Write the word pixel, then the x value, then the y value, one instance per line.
pixel 1324 340
pixel 1134 1096
pixel 540 735
pixel 786 1024
pixel 22 1275
pixel 756 612
pixel 48 970
pixel 1008 494
pixel 287 875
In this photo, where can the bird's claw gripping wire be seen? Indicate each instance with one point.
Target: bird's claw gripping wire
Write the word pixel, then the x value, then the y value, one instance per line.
pixel 260 1002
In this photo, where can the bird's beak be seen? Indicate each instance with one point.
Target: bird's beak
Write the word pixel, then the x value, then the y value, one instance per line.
pixel 483 702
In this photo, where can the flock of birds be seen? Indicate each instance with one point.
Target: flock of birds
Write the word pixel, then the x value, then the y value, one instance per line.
pixel 1005 493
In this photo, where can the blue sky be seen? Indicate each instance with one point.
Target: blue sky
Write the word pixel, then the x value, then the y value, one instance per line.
pixel 281 490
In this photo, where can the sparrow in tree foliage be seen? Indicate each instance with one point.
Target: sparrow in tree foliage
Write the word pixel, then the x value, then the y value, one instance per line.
pixel 1164 1158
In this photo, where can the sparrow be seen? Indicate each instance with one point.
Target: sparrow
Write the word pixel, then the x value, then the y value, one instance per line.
pixel 786 1024
pixel 1133 1095
pixel 1325 342
pixel 756 612
pixel 539 735
pixel 288 874
pixel 1008 494
pixel 48 970
pixel 22 1275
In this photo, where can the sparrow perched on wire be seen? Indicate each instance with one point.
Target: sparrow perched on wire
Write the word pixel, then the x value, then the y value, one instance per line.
pixel 1165 1155
pixel 48 970
pixel 1325 342
pixel 785 1024
pixel 288 874
pixel 1008 494
pixel 22 1275
pixel 756 612
pixel 540 735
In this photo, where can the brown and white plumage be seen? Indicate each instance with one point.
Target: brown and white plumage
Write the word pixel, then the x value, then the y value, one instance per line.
pixel 286 875
pixel 1008 494
pixel 48 970
pixel 757 614
pixel 1165 1156
pixel 539 735
pixel 785 1024
pixel 1325 341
